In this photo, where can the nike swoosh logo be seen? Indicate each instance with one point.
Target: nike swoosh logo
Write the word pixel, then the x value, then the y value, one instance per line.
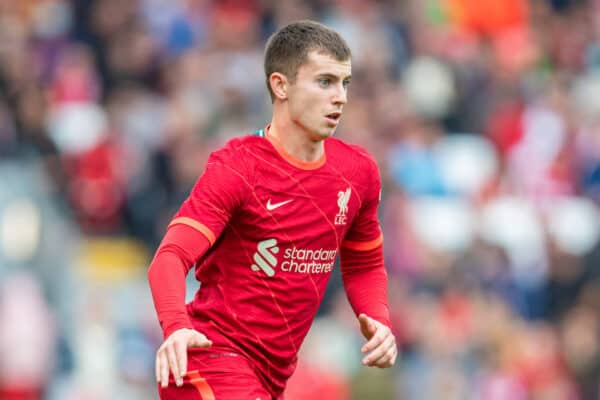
pixel 272 206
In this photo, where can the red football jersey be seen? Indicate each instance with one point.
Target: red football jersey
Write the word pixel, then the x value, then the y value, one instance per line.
pixel 275 225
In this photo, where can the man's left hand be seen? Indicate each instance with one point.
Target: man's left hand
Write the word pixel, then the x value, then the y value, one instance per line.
pixel 381 350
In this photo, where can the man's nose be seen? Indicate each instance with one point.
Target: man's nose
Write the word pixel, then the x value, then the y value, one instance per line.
pixel 341 94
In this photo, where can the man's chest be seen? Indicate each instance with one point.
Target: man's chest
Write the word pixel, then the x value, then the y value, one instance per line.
pixel 302 207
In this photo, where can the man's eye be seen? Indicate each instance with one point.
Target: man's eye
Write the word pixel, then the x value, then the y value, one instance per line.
pixel 324 82
pixel 346 83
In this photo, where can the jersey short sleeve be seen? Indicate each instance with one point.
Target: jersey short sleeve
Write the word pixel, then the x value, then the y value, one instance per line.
pixel 365 232
pixel 219 191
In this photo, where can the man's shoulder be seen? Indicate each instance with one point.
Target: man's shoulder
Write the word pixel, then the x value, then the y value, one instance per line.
pixel 356 164
pixel 345 152
pixel 239 145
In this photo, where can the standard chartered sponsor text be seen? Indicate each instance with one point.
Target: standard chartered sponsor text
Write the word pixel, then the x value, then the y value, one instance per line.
pixel 307 261
pixel 292 259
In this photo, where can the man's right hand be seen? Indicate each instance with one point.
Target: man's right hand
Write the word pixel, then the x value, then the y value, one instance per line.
pixel 172 354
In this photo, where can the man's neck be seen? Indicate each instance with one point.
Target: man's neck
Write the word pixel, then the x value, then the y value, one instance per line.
pixel 296 141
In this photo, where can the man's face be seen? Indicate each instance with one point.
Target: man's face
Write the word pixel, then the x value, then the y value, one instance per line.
pixel 318 95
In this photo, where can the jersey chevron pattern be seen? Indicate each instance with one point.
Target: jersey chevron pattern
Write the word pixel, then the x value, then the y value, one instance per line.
pixel 276 226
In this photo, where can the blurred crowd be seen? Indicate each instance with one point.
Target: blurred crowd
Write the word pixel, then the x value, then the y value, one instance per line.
pixel 484 116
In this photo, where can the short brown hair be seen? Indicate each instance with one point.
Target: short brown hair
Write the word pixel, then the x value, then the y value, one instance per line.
pixel 288 48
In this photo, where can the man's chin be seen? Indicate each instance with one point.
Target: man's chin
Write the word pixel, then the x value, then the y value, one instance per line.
pixel 326 132
pixel 321 132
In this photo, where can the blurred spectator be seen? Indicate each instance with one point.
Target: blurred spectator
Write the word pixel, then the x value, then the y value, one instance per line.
pixel 27 339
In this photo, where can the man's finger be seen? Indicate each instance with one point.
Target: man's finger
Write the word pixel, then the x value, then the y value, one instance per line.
pixel 393 361
pixel 157 367
pixel 374 341
pixel 387 360
pixel 378 350
pixel 381 351
pixel 173 365
pixel 164 369
pixel 181 355
pixel 392 358
pixel 367 326
pixel 200 340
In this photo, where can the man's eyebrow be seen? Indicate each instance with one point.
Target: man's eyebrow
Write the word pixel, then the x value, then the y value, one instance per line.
pixel 333 76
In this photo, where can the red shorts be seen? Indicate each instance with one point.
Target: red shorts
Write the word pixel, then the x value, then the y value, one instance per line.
pixel 216 375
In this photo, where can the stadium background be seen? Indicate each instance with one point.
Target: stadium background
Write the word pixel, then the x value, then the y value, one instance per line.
pixel 484 116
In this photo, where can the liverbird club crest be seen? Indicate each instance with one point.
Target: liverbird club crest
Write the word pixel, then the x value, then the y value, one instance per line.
pixel 343 199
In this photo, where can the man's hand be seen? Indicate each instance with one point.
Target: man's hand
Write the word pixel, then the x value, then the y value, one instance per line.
pixel 172 354
pixel 381 343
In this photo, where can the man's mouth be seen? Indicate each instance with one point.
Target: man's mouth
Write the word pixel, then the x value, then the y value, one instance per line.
pixel 334 116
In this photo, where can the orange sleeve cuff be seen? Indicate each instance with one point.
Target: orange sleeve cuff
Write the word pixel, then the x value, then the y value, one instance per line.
pixel 203 229
pixel 363 246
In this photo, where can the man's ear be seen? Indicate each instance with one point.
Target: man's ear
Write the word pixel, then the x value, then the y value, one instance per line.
pixel 279 85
